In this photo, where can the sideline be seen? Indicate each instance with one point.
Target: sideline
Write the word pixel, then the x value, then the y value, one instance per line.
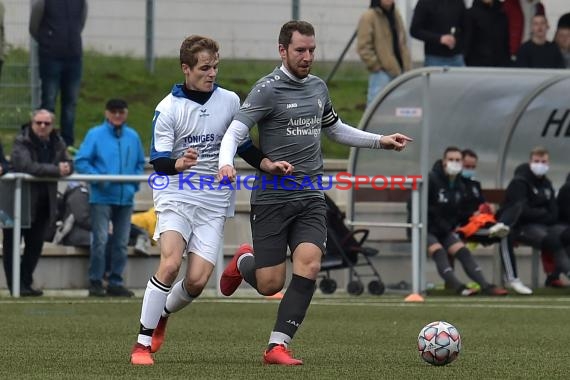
pixel 553 303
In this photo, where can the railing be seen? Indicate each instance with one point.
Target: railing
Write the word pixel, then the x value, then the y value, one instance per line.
pixel 18 179
pixel 418 250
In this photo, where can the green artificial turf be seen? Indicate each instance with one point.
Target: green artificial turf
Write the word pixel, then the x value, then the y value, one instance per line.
pixel 343 337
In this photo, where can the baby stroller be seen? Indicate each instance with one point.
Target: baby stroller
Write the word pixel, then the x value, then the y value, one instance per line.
pixel 343 250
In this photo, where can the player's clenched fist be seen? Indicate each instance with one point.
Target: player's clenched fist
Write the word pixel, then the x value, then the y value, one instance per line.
pixel 227 171
pixel 189 159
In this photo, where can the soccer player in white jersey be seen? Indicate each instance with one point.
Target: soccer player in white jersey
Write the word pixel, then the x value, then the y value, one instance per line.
pixel 188 127
pixel 291 108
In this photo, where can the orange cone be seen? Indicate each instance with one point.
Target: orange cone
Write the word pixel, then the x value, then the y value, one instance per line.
pixel 414 297
pixel 276 296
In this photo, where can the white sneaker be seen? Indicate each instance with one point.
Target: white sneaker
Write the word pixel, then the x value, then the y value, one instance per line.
pixel 142 245
pixel 519 287
pixel 499 230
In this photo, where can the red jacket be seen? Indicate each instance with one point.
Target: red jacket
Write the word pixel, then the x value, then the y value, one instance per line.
pixel 520 20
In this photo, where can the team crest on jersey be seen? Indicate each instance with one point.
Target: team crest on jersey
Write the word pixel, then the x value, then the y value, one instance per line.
pixel 320 103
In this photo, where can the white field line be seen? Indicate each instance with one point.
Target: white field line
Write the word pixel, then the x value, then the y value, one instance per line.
pixel 490 303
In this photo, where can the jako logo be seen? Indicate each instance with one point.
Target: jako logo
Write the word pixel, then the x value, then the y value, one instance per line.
pixel 291 105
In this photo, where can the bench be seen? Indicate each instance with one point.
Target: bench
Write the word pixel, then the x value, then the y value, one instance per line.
pixel 494 196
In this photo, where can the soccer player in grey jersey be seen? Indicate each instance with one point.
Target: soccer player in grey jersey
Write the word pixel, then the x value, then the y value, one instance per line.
pixel 291 108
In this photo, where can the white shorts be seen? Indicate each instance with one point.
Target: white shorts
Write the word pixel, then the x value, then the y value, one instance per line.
pixel 202 229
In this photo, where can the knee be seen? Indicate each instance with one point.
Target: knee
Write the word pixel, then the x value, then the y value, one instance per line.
pixel 194 288
pixel 168 271
pixel 270 287
pixel 313 269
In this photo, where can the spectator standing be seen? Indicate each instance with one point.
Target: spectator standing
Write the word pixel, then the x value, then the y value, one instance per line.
pixel 562 38
pixel 110 148
pixel 440 25
pixel 382 45
pixel 538 52
pixel 487 35
pixel 2 37
pixel 447 200
pixel 519 14
pixel 57 25
pixel 38 150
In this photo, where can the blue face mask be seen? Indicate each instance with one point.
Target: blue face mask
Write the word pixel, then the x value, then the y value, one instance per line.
pixel 468 173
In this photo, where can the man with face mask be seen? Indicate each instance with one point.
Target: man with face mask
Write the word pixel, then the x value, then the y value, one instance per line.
pixel 479 224
pixel 532 191
pixel 446 205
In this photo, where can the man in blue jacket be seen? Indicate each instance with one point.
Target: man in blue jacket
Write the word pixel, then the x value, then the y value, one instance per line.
pixel 110 148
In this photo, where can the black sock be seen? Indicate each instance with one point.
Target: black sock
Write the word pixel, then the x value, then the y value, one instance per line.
pixel 294 305
pixel 144 331
pixel 445 270
pixel 247 269
pixel 470 266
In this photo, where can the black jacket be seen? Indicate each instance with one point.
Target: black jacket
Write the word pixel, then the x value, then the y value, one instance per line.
pixel 487 35
pixel 534 195
pixel 446 202
pixel 564 202
pixel 57 25
pixel 26 158
pixel 434 18
pixel 472 200
pixel 3 162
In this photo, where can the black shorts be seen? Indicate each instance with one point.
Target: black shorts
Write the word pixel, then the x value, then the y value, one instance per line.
pixel 276 226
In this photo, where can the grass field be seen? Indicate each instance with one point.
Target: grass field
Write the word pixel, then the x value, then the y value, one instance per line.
pixel 343 337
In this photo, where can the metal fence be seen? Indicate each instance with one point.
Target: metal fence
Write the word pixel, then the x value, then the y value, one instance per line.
pixel 19 198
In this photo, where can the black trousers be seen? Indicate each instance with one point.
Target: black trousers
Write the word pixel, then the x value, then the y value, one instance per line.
pixel 34 242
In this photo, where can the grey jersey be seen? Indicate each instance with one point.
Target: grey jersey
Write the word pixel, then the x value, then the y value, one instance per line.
pixel 289 114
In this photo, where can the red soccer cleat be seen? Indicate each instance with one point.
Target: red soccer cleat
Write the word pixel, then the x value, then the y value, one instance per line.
pixel 493 290
pixel 280 355
pixel 158 335
pixel 231 278
pixel 140 355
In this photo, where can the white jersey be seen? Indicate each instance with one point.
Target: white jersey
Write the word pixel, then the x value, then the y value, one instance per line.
pixel 180 123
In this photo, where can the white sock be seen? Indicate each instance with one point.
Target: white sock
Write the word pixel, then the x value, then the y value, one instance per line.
pixel 153 303
pixel 177 299
pixel 277 337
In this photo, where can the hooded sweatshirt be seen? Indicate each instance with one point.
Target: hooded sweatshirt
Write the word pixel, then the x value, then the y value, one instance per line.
pixel 534 194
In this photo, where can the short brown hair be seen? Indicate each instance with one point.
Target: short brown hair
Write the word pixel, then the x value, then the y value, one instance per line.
pixel 195 44
pixel 538 151
pixel 469 153
pixel 289 27
pixel 451 149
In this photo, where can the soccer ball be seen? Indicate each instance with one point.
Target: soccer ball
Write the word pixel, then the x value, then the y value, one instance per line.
pixel 439 343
